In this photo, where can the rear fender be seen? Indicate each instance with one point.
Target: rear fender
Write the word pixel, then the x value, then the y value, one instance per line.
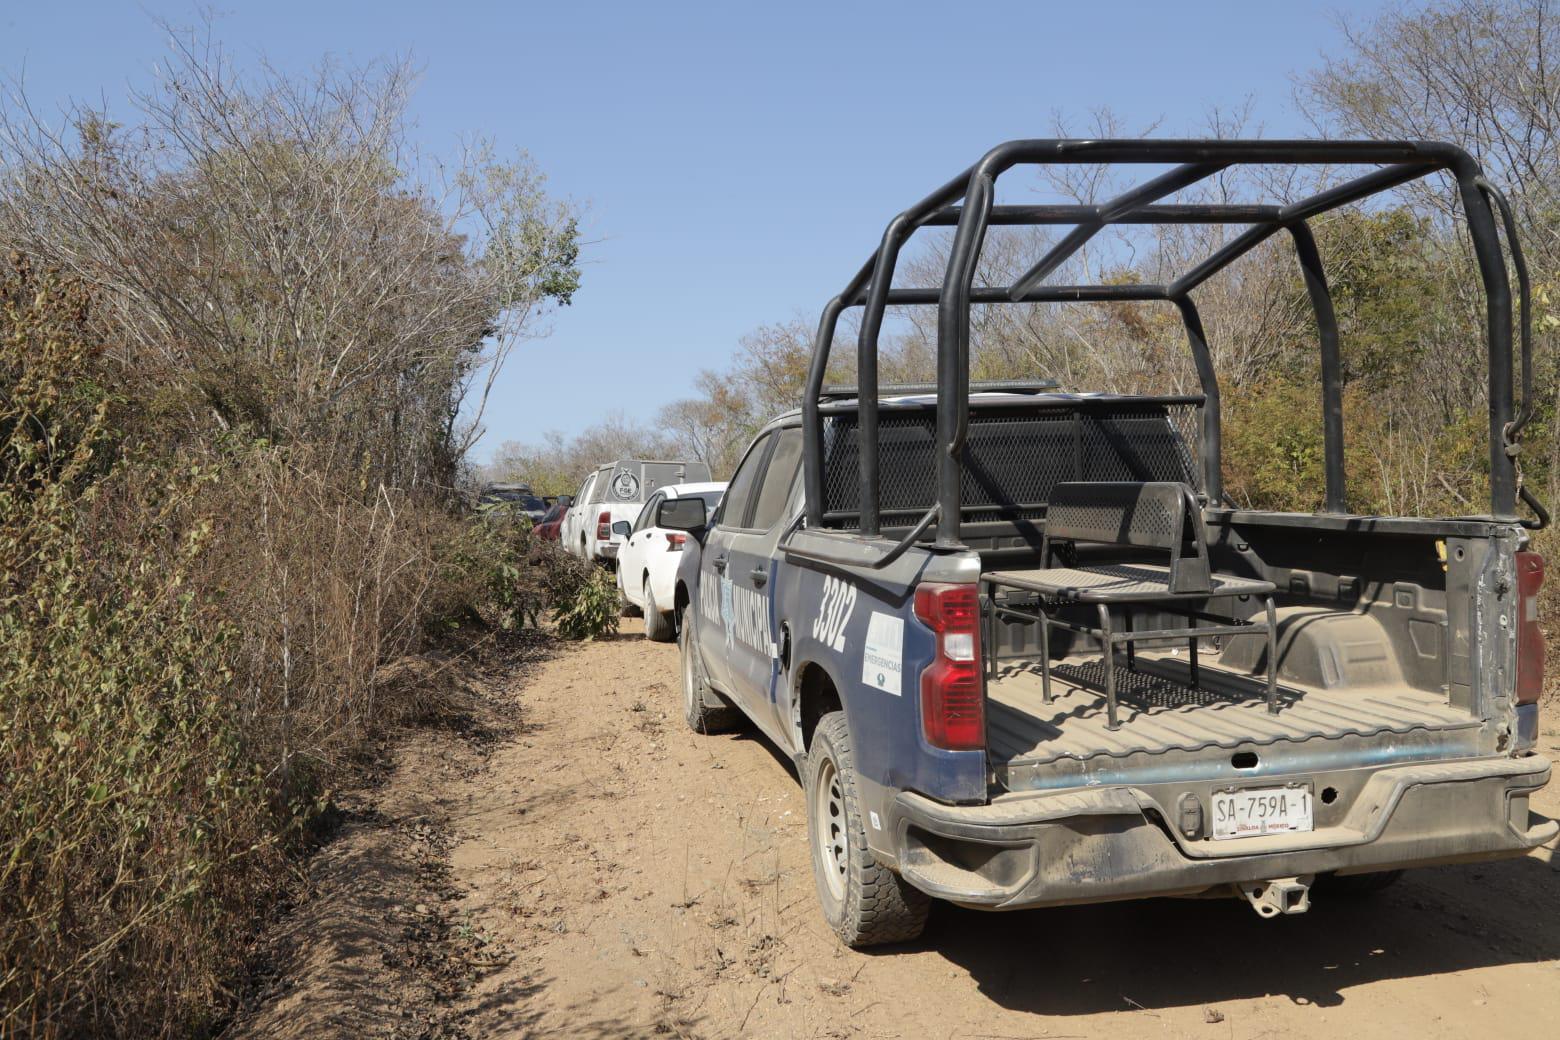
pixel 687 581
pixel 831 614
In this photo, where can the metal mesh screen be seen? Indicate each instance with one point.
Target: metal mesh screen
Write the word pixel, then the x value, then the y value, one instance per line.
pixel 1135 446
pixel 1186 420
pixel 1010 461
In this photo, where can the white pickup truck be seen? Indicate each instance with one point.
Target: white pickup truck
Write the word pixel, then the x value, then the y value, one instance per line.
pixel 618 491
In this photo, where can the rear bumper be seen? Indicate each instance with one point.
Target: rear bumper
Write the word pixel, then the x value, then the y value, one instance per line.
pixel 1101 844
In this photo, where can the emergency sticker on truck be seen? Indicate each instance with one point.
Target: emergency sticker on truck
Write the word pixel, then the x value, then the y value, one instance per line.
pixel 882 658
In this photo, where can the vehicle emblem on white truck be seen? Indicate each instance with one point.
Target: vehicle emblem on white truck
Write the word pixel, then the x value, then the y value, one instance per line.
pixel 625 486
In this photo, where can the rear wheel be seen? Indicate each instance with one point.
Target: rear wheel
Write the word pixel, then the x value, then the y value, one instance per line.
pixel 659 627
pixel 697 695
pixel 864 902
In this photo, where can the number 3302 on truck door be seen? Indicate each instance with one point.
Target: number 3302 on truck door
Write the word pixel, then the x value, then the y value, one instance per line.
pixel 839 599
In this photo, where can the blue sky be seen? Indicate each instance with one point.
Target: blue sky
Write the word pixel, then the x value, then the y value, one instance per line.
pixel 738 160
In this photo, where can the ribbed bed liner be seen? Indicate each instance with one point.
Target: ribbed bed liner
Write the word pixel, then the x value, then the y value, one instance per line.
pixel 1159 713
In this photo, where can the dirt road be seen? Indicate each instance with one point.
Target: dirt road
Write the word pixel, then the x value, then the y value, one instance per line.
pixel 611 874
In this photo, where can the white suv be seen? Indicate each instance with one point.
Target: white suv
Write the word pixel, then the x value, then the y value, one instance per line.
pixel 649 555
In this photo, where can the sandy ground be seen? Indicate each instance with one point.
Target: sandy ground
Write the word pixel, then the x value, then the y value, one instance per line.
pixel 603 872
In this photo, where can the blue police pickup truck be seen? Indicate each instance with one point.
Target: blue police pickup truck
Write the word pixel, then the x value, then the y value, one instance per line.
pixel 1024 652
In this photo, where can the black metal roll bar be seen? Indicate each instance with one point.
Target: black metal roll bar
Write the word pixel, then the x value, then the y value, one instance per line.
pixel 966 203
pixel 1525 295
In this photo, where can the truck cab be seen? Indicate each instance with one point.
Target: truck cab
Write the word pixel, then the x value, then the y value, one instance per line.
pixel 1025 653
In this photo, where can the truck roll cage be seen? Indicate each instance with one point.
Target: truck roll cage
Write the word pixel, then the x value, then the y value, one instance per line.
pixel 967 203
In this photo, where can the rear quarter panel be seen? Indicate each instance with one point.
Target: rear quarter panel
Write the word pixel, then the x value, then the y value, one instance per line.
pixel 831 615
pixel 617 511
pixel 824 616
pixel 663 566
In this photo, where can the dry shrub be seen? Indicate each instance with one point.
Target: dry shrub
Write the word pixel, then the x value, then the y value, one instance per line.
pixel 323 585
pixel 230 426
pixel 271 255
pixel 194 641
pixel 134 832
pixel 329 590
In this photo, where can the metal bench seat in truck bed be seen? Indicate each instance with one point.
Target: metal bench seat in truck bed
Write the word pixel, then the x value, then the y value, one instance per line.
pixel 1119 583
pixel 1159 515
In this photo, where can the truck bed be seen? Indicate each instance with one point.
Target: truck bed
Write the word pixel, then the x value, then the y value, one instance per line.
pixel 1033 744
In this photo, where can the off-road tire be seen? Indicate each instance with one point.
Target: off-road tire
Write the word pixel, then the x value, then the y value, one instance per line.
pixel 697 696
pixel 867 904
pixel 659 627
pixel 1357 886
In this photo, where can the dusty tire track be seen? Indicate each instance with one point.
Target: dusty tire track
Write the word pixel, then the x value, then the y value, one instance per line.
pixel 649 881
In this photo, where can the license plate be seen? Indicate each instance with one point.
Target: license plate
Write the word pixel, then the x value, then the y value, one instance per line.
pixel 1268 810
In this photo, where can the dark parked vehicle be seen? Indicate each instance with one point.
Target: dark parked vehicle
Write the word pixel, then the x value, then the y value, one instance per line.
pixel 552 520
pixel 1026 653
pixel 517 498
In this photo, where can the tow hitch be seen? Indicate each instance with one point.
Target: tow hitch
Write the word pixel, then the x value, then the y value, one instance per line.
pixel 1290 895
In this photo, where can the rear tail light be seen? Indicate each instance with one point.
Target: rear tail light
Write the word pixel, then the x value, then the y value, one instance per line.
pixel 604 526
pixel 675 541
pixel 1530 639
pixel 953 708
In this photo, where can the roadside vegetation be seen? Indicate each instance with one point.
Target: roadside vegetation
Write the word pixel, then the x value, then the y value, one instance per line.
pixel 245 337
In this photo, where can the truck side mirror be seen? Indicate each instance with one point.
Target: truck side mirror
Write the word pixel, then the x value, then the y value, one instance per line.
pixel 622 528
pixel 681 514
pixel 566 501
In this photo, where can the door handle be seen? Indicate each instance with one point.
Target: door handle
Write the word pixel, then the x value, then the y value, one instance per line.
pixel 760 577
pixel 720 564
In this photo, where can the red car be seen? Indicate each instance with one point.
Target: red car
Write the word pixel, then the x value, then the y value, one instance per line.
pixel 547 530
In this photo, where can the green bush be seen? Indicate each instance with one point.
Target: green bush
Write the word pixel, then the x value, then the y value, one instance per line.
pixel 502 575
pixel 489 566
pixel 589 609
